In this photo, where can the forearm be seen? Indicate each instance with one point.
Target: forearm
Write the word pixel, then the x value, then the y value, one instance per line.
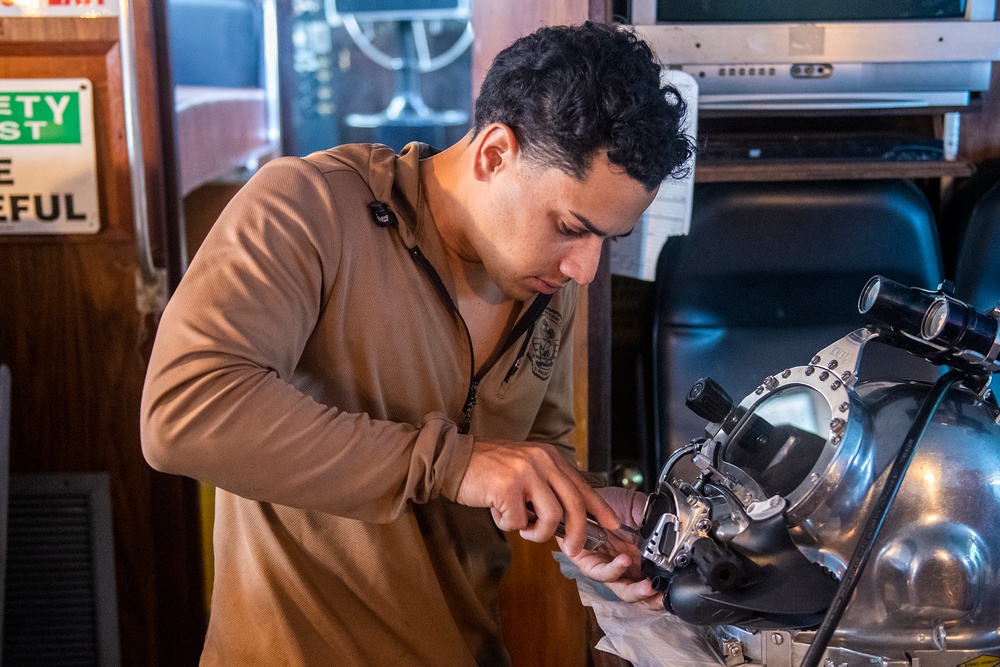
pixel 247 431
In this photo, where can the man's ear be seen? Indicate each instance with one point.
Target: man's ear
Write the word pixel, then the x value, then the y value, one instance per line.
pixel 496 147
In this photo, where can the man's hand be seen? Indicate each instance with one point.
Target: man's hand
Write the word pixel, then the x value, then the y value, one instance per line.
pixel 616 562
pixel 508 476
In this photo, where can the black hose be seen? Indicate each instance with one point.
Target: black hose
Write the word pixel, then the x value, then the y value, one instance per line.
pixel 878 514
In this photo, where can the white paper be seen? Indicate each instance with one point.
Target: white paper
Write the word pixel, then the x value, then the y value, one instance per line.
pixel 636 255
pixel 644 637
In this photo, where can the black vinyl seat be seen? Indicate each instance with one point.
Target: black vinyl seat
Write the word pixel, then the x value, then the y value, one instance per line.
pixel 769 275
pixel 977 270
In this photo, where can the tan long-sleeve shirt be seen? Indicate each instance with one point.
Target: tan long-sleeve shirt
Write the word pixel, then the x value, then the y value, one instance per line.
pixel 309 368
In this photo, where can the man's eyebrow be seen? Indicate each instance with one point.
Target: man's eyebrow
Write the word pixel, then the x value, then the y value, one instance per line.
pixel 592 228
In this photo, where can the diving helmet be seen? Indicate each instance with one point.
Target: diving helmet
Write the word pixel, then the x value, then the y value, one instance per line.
pixel 840 520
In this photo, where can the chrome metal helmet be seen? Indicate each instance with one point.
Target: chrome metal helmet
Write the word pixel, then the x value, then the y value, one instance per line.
pixel 841 520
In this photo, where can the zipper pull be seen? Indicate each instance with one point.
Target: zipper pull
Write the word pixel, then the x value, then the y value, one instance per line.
pixel 513 369
pixel 470 402
pixel 520 354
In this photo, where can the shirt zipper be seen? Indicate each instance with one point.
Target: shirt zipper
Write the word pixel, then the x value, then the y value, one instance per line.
pixel 470 402
pixel 523 325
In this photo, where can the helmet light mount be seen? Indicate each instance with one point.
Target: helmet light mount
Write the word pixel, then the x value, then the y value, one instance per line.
pixel 936 326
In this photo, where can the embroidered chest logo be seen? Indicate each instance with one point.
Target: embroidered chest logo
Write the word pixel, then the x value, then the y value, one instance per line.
pixel 545 344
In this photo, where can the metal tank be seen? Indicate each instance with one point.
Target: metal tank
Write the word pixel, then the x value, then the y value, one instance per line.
pixel 815 532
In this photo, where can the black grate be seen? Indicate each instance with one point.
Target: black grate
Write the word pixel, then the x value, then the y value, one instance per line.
pixel 56 598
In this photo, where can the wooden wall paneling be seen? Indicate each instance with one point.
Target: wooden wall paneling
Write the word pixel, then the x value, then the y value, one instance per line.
pixel 980 124
pixel 202 207
pixel 979 140
pixel 178 582
pixel 542 618
pixel 497 24
pixel 70 331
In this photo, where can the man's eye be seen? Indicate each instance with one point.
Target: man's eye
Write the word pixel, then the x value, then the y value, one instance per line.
pixel 573 233
pixel 623 236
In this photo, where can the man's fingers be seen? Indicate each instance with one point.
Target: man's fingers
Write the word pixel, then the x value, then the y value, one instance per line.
pixel 574 524
pixel 558 493
pixel 507 476
pixel 613 573
pixel 601 510
pixel 593 503
pixel 638 509
pixel 599 568
pixel 579 500
pixel 511 514
pixel 638 591
pixel 653 602
pixel 544 515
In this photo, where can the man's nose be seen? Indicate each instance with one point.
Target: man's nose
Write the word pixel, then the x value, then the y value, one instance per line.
pixel 580 264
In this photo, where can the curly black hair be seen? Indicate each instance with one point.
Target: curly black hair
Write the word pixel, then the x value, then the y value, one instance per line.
pixel 568 92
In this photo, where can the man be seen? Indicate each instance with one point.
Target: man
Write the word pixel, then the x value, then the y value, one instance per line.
pixel 370 350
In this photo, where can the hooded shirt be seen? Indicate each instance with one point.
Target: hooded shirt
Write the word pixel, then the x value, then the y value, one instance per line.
pixel 312 367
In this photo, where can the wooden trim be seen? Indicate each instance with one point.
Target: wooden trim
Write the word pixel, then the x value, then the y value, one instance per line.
pixel 580 438
pixel 827 170
pixel 69 32
pixel 600 11
pixel 594 634
pixel 497 24
pixel 979 139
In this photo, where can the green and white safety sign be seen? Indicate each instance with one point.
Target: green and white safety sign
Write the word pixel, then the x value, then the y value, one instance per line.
pixel 48 167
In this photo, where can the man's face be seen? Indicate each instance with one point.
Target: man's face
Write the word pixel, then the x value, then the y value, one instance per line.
pixel 540 228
